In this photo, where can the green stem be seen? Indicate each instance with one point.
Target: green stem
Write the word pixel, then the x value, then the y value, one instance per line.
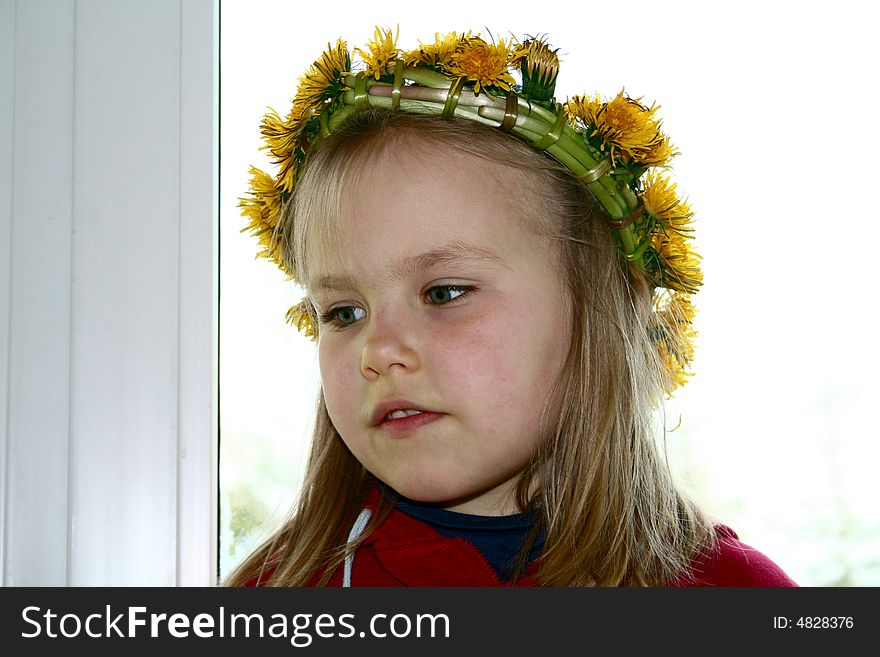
pixel 341 115
pixel 423 76
pixel 427 77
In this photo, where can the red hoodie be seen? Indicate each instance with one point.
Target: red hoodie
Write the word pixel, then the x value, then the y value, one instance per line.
pixel 405 551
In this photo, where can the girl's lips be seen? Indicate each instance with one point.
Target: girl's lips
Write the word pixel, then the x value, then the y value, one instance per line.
pixel 405 425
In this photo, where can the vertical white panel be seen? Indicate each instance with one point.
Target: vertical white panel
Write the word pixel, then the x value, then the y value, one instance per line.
pixel 7 86
pixel 197 502
pixel 108 292
pixel 39 347
pixel 124 321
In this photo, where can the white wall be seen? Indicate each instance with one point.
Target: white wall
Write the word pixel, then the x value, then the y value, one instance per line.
pixel 108 254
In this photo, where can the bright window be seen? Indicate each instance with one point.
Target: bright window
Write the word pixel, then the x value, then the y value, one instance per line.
pixel 773 118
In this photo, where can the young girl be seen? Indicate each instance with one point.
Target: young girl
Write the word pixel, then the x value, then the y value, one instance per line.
pixel 499 286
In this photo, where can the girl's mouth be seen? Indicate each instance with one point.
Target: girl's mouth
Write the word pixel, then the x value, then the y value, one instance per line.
pixel 403 422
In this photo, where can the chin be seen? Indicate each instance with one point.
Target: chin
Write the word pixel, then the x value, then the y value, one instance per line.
pixel 425 490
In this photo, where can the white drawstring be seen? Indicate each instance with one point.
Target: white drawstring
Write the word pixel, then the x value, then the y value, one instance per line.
pixel 356 530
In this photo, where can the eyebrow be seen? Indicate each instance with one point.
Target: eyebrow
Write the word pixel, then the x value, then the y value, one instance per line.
pixel 454 252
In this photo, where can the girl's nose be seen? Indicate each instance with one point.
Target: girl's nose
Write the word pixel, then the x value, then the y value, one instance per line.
pixel 390 342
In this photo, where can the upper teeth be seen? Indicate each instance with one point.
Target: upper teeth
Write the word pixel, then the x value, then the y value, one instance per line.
pixel 397 414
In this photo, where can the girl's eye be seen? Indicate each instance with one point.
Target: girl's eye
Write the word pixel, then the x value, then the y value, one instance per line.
pixel 441 294
pixel 342 317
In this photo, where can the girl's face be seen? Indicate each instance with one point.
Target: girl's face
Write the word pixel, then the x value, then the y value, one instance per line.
pixel 440 300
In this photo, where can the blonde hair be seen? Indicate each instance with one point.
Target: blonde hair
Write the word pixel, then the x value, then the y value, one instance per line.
pixel 606 501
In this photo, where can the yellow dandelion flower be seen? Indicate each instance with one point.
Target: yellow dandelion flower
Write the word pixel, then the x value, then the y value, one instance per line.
pixel 263 208
pixel 677 374
pixel 382 52
pixel 662 202
pixel 323 80
pixel 628 128
pixel 263 211
pixel 281 138
pixel 661 154
pixel 484 64
pixel 674 336
pixel 674 308
pixel 680 266
pixel 302 317
pixel 539 66
pixel 435 54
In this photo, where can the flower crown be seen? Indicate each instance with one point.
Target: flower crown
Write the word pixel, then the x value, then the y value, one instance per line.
pixel 614 147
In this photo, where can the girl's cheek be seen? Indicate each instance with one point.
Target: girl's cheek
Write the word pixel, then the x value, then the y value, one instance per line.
pixel 335 376
pixel 480 346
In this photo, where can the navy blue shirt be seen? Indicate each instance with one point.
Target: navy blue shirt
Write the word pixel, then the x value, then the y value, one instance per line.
pixel 498 538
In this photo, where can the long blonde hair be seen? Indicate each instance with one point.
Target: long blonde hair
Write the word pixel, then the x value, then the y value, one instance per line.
pixel 606 502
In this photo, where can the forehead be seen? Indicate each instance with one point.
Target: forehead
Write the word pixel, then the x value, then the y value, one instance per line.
pixel 411 208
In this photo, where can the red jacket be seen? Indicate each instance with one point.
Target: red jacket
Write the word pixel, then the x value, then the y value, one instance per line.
pixel 404 551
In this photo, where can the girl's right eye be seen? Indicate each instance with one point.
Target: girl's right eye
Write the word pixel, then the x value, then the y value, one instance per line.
pixel 342 316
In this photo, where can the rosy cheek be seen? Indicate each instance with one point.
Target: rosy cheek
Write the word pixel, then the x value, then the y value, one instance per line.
pixel 335 382
pixel 480 353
